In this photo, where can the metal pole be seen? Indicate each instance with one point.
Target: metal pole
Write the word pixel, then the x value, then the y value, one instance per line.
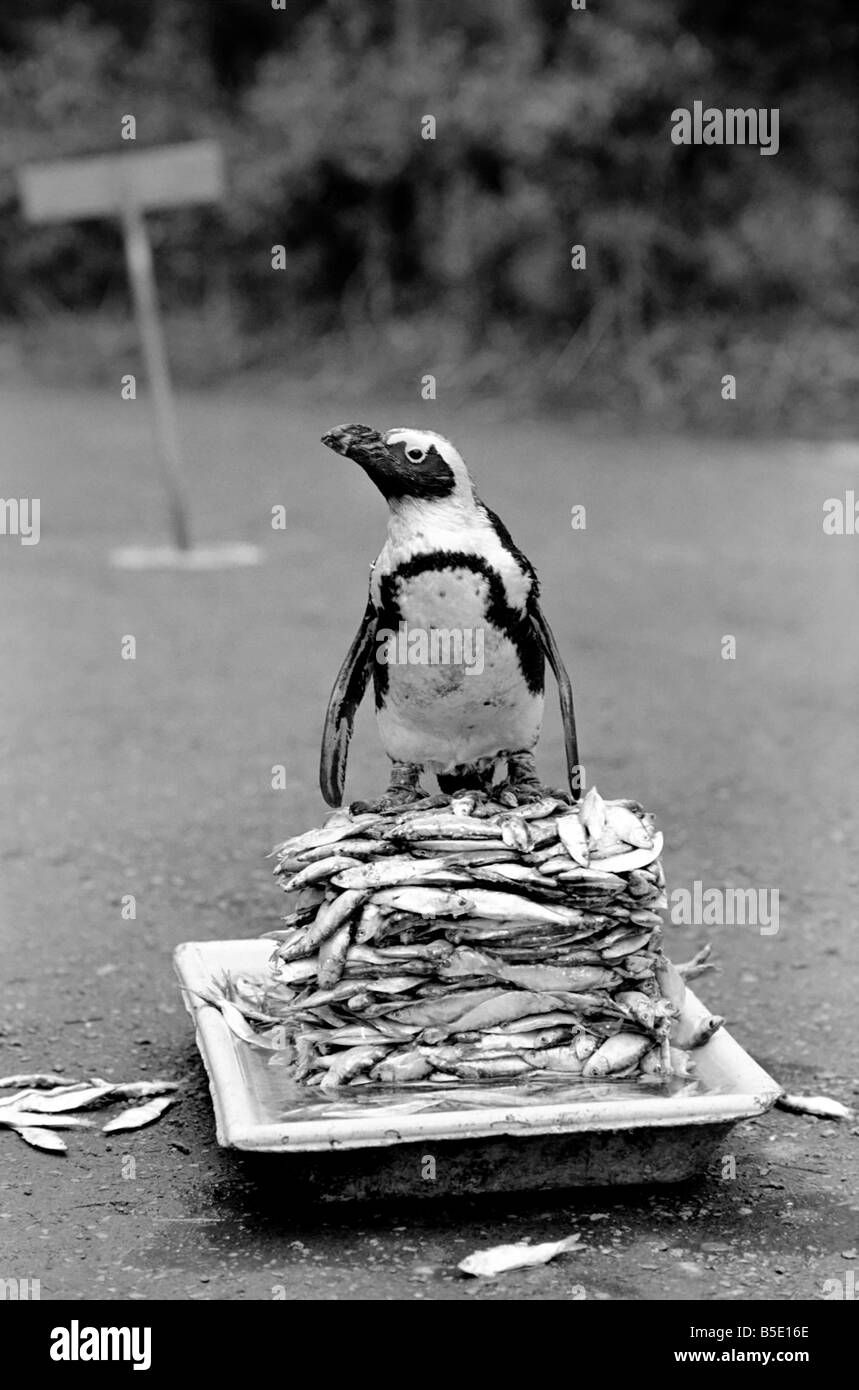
pixel 138 256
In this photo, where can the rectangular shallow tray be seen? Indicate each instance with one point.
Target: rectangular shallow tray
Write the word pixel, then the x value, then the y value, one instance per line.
pixel 649 1136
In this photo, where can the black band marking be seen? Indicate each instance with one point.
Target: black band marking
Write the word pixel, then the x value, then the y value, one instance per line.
pixel 514 624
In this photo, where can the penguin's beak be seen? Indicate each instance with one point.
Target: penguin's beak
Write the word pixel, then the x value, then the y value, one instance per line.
pixel 366 447
pixel 361 443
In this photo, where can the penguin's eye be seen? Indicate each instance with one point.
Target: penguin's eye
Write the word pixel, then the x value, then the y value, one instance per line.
pixel 416 455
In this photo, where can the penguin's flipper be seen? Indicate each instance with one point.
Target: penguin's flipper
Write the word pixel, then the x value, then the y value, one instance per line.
pixel 343 705
pixel 565 691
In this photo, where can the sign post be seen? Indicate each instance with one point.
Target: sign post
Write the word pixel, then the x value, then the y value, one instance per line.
pixel 126 186
pixel 138 257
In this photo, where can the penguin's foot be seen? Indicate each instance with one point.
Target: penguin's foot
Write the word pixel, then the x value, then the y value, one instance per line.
pixel 404 789
pixel 506 794
pixel 523 786
pixel 389 802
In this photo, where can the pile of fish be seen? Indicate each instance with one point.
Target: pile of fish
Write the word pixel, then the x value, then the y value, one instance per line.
pixel 459 940
pixel 45 1101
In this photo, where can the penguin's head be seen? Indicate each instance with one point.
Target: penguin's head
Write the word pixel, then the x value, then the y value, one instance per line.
pixel 404 463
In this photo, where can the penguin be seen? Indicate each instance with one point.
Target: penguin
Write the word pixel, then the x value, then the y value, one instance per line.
pixel 453 635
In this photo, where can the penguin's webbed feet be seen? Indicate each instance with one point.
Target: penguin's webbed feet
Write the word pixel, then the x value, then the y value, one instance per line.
pixel 523 786
pixel 404 789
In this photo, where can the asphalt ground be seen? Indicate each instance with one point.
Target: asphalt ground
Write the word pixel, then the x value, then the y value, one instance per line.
pixel 152 777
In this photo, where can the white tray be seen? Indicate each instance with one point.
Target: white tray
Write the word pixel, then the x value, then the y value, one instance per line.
pixel 253 1099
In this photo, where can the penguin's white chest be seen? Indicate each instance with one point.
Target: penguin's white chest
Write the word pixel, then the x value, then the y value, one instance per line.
pixel 453 689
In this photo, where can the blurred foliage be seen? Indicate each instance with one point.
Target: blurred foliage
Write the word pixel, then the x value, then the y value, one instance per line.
pixel 453 254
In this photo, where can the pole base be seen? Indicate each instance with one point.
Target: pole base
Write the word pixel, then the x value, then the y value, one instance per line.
pixel 224 556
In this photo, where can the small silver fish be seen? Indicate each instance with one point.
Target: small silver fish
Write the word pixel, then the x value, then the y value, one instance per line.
pixel 687 1034
pixel 616 1053
pixel 349 1064
pixel 402 1066
pixel 515 833
pixel 399 1032
pixel 558 1059
pixel 423 902
pixel 465 960
pixel 294 972
pixel 511 908
pixel 555 977
pixel 625 946
pixel 440 825
pixel 346 1035
pixel 331 961
pixel 240 1028
pixel 821 1106
pixel 82 1099
pixel 466 850
pixel 322 869
pixel 370 923
pixel 139 1115
pixel 489 1066
pixel 594 877
pixel 393 984
pixel 361 849
pixel 651 1063
pixel 627 827
pixel 553 864
pixel 638 966
pixel 671 984
pixel 548 1020
pixel 647 1012
pixel 638 885
pixel 394 872
pixel 572 835
pixel 488 1263
pixel 510 1004
pixel 447 878
pixel 39 1138
pixel 517 1042
pixel 325 835
pixel 37 1079
pixel 447 1008
pixel 642 918
pixel 625 860
pixel 358 1003
pixel 330 916
pixel 544 834
pixel 434 952
pixel 517 874
pixel 592 813
pixel 540 810
pixel 28 1119
pixel 680 1063
pixel 537 857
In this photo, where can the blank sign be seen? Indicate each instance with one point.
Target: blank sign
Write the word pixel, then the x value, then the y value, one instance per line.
pixel 101 185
